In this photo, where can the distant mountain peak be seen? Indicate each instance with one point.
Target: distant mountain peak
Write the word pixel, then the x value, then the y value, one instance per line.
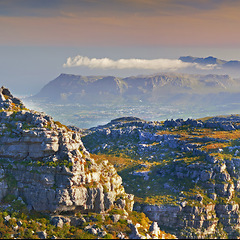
pixel 232 64
pixel 67 75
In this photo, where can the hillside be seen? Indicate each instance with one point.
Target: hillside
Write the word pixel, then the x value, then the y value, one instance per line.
pixel 184 174
pixel 68 87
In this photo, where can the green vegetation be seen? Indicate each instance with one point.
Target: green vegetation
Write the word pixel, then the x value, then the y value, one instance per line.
pixel 60 162
pixel 27 225
pixel 17 222
pixel 11 181
pixel 61 125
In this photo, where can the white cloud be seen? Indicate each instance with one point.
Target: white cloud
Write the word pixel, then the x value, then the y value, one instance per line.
pixel 134 63
pixel 207 66
pixel 104 63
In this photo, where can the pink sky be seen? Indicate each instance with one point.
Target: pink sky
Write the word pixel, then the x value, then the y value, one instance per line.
pixel 120 23
pixel 38 36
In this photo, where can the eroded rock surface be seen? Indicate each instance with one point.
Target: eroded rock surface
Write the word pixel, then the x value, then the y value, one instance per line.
pixel 186 174
pixel 47 165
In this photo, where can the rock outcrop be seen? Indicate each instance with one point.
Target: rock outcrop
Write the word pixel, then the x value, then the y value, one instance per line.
pixel 46 164
pixel 8 101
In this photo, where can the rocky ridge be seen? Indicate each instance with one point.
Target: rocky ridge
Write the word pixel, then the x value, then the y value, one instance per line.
pixel 188 169
pixel 52 169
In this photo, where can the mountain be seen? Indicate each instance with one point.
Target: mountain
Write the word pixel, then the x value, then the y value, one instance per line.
pixel 97 89
pixel 68 87
pixel 34 139
pixel 59 181
pixel 233 64
pixel 205 61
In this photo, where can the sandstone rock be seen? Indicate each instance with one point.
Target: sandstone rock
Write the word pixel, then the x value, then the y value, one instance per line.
pixel 121 235
pixel 76 222
pixel 121 203
pixel 115 218
pixel 7 218
pixel 57 222
pixel 102 234
pixel 134 232
pixel 6 99
pixel 91 230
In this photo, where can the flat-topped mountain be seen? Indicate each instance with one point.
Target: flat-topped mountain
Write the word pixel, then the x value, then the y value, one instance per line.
pixel 155 87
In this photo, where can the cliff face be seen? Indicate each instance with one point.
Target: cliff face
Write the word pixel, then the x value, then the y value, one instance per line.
pixel 214 212
pixel 47 165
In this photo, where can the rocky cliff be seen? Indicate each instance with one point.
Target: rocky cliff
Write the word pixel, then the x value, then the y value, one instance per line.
pixel 211 210
pixel 46 171
pixel 47 165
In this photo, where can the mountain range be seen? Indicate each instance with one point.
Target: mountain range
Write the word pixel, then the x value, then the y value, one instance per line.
pixel 211 60
pixel 164 87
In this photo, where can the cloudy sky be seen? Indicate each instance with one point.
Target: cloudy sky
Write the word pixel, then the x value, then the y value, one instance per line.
pixel 37 37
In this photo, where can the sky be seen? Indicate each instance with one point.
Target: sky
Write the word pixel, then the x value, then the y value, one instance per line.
pixel 37 37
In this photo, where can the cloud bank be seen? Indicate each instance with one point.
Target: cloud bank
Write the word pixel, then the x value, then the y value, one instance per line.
pixel 107 63
pixel 132 63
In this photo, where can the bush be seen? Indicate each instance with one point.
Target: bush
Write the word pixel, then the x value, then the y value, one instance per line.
pixel 9 198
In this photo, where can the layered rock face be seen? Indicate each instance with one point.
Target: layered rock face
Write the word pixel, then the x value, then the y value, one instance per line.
pixel 47 165
pixel 213 213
